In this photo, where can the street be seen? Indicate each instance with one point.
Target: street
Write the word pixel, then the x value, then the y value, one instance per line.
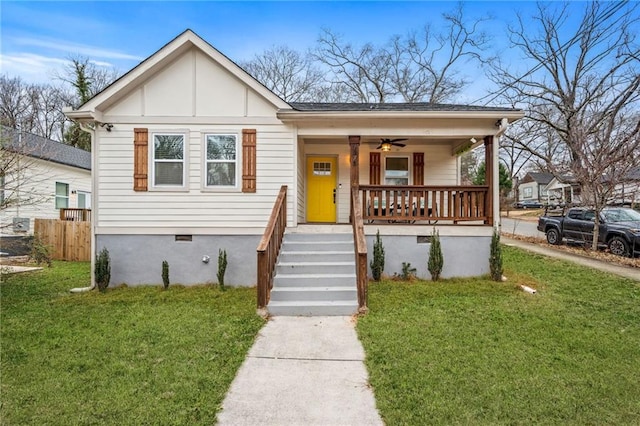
pixel 516 226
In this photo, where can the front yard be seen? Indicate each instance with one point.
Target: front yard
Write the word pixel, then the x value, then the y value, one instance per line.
pixel 480 352
pixel 452 352
pixel 129 356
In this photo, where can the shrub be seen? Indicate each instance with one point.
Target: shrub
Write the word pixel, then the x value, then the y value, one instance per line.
pixel 222 267
pixel 408 273
pixel 165 274
pixel 495 258
pixel 40 252
pixel 436 261
pixel 103 269
pixel 377 263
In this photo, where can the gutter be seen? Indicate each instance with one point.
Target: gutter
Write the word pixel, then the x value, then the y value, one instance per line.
pixel 292 115
pixel 84 126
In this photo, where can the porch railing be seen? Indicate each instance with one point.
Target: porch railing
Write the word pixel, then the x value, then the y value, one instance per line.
pixel 76 215
pixel 269 247
pixel 360 245
pixel 398 204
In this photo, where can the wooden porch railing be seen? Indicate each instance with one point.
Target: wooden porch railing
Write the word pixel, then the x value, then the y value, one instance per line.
pixel 269 247
pixel 76 215
pixel 360 245
pixel 425 203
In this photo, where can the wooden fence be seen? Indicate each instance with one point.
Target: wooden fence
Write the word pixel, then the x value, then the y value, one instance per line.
pixel 68 240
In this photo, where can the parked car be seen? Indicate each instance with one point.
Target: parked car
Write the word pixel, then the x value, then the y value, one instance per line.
pixel 619 228
pixel 528 204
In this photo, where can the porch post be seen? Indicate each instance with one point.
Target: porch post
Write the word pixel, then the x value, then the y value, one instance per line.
pixel 354 158
pixel 490 166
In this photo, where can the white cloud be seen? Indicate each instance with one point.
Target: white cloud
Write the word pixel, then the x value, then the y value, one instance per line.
pixel 30 67
pixel 72 48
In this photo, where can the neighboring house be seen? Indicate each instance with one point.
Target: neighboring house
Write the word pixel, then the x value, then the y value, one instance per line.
pixel 563 190
pixel 47 176
pixel 532 187
pixel 627 192
pixel 191 152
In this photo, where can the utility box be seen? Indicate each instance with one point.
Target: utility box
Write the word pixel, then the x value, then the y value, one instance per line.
pixel 21 224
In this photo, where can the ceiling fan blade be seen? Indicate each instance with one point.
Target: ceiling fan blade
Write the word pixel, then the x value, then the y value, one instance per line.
pixel 399 144
pixel 379 146
pixel 397 140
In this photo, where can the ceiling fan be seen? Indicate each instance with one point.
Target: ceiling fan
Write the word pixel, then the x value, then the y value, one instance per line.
pixel 386 144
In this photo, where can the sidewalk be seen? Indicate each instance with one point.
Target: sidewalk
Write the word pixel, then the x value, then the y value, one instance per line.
pixel 624 271
pixel 302 371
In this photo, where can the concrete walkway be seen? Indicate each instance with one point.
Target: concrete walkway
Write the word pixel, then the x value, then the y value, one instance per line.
pixel 302 371
pixel 624 271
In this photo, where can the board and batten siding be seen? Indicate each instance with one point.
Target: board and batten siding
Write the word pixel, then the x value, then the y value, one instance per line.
pixel 191 94
pixel 195 206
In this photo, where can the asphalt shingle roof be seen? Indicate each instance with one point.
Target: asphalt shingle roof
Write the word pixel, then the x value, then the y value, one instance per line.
pixel 419 106
pixel 542 178
pixel 45 149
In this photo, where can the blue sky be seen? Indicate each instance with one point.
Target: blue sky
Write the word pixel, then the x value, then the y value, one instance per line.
pixel 37 37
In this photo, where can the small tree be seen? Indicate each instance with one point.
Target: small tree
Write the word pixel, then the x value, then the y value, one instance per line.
pixel 222 267
pixel 165 274
pixel 40 252
pixel 436 260
pixel 495 258
pixel 103 269
pixel 377 263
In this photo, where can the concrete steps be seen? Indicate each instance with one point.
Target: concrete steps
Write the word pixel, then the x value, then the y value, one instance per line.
pixel 315 275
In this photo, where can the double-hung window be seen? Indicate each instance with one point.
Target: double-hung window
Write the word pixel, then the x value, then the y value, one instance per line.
pixel 168 159
pixel 62 195
pixel 396 171
pixel 221 160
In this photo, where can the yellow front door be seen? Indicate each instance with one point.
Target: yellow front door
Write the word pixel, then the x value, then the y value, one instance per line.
pixel 321 189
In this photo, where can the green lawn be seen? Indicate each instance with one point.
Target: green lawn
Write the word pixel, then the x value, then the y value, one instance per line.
pixel 480 352
pixel 129 356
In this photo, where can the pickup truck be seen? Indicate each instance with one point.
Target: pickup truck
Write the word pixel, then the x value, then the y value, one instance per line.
pixel 619 228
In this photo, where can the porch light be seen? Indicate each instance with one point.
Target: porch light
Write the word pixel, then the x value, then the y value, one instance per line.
pixel 386 146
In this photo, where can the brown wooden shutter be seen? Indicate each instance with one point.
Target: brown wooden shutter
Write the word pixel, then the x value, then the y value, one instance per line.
pixel 140 159
pixel 374 168
pixel 248 160
pixel 418 168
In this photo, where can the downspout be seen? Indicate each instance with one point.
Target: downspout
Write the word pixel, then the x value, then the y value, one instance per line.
pixel 502 124
pixel 91 130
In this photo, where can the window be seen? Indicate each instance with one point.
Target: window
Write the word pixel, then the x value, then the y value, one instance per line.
pixel 221 160
pixel 84 200
pixel 321 169
pixel 168 159
pixel 62 195
pixel 527 192
pixel 396 171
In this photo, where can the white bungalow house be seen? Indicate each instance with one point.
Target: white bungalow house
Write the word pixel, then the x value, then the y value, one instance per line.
pixel 43 179
pixel 533 187
pixel 193 155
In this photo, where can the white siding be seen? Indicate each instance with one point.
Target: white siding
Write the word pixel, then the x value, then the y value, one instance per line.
pixel 38 183
pixel 195 207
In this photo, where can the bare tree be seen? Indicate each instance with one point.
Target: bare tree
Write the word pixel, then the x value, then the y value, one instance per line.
pixel 363 71
pixel 286 72
pixel 36 108
pixel 581 93
pixel 423 66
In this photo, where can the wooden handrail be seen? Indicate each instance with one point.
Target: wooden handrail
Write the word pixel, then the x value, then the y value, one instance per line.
pixel 76 215
pixel 360 245
pixel 269 247
pixel 402 203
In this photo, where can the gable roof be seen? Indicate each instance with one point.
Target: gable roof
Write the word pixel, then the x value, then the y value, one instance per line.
pixel 542 178
pixel 182 43
pixel 45 149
